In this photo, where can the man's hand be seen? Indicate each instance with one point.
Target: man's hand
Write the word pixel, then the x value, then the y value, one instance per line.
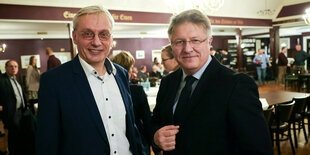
pixel 165 137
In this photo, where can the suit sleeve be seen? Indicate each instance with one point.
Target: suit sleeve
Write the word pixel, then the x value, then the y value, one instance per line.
pixel 156 122
pixel 145 114
pixel 246 119
pixel 48 131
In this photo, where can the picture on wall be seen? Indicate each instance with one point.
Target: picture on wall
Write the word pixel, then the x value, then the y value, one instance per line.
pixel 26 58
pixel 115 52
pixel 140 54
pixel 63 56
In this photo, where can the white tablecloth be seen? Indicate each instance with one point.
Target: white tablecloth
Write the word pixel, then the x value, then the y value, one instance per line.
pixel 151 96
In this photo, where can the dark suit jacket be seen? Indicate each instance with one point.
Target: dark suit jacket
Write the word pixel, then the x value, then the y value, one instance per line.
pixel 69 121
pixel 224 117
pixel 142 115
pixel 8 100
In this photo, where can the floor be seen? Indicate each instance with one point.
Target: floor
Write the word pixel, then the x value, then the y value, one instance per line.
pixel 303 148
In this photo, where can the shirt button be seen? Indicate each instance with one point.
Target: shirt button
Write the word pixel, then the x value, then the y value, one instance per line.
pixel 109 117
pixel 112 134
pixel 114 152
pixel 106 99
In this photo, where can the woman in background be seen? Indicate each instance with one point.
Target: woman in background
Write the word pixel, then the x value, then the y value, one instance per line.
pixel 32 79
pixel 140 103
pixel 167 59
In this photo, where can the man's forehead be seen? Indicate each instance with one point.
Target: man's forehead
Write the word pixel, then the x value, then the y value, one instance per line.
pixel 12 63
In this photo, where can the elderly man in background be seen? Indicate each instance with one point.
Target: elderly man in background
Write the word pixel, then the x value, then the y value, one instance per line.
pixel 300 58
pixel 13 100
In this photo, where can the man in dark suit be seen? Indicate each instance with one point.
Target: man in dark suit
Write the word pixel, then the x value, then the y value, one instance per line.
pixel 12 99
pixel 85 105
pixel 204 107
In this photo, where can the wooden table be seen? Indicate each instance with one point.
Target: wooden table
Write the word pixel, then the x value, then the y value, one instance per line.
pixel 278 97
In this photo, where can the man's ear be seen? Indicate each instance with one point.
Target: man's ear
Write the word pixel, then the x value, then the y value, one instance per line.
pixel 74 36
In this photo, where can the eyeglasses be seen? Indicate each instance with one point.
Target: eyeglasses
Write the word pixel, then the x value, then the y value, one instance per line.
pixel 163 60
pixel 181 43
pixel 103 36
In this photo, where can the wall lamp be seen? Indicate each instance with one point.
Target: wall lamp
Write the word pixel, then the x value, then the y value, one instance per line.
pixel 2 47
pixel 307 16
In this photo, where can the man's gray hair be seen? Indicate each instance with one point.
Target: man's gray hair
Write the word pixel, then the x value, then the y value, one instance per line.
pixel 193 16
pixel 95 9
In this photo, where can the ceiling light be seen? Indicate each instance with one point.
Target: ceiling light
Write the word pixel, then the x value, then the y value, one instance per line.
pixel 266 12
pixel 177 6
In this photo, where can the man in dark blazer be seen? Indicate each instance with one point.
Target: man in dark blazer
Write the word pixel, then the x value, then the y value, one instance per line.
pixel 13 101
pixel 85 106
pixel 221 113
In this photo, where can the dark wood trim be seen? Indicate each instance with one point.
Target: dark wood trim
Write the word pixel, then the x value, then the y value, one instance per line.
pixel 257 34
pixel 287 21
pixel 274 47
pixel 305 34
pixel 239 50
pixel 230 21
pixel 293 10
pixel 25 12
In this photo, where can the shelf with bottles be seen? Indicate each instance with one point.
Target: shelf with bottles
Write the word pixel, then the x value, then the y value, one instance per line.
pixel 248 47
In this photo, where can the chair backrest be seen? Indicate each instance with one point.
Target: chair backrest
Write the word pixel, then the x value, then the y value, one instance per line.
pixel 300 105
pixel 268 113
pixel 308 103
pixel 284 111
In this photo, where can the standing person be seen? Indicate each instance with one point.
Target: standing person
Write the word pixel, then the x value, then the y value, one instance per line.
pixel 261 62
pixel 282 65
pixel 155 61
pixel 300 58
pixel 13 101
pixel 52 61
pixel 204 107
pixel 85 105
pixel 168 60
pixel 226 58
pixel 140 103
pixel 32 79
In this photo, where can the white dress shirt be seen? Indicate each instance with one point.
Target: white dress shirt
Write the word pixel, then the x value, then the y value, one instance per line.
pixel 18 92
pixel 111 107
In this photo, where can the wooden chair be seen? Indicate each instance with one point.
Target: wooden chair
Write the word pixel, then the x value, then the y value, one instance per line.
pixel 281 124
pixel 268 113
pixel 297 117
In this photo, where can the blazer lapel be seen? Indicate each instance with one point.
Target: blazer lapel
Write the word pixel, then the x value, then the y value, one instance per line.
pixel 88 98
pixel 173 88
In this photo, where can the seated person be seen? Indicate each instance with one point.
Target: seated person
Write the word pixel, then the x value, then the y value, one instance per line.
pixel 154 72
pixel 142 74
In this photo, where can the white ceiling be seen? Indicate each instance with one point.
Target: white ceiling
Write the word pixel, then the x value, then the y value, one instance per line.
pixel 10 29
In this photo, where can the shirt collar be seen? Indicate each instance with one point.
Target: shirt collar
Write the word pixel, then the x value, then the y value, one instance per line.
pixel 199 73
pixel 12 77
pixel 89 70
